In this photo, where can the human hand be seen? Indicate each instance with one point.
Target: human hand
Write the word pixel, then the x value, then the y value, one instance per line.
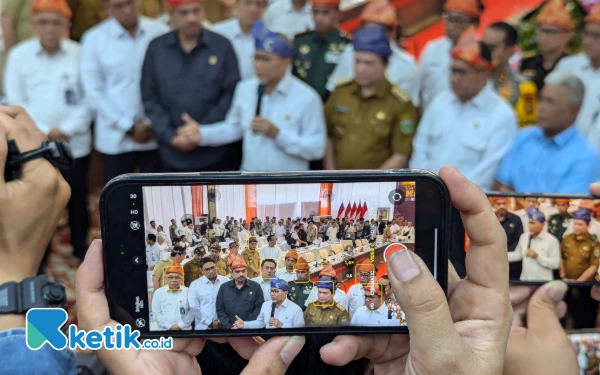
pixel 182 143
pixel 175 327
pixel 466 334
pixel 57 135
pixel 93 314
pixel 537 343
pixel 25 202
pixel 263 126
pixel 531 254
pixel 274 322
pixel 239 323
pixel 141 133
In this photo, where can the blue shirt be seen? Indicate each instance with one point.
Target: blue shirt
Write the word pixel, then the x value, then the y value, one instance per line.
pixel 23 360
pixel 566 163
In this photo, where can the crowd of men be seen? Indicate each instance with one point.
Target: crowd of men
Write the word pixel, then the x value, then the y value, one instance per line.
pixel 177 95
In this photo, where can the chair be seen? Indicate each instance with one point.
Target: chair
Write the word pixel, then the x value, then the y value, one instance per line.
pixel 309 257
pixel 324 254
pixel 365 242
pixel 379 238
pixel 346 243
pixel 336 248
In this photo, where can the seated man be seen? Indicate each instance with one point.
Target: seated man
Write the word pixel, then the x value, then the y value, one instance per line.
pixel 277 312
pixel 553 156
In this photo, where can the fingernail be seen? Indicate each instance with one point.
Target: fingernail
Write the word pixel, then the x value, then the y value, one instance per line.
pixel 557 290
pixel 291 349
pixel 404 265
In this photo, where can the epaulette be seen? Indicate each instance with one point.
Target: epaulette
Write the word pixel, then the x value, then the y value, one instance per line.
pixel 529 54
pixel 400 94
pixel 344 81
pixel 340 306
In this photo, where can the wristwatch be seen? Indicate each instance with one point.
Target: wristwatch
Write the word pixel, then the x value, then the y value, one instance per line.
pixel 33 292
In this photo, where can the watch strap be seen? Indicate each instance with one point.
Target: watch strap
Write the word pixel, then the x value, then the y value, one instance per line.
pixel 9 298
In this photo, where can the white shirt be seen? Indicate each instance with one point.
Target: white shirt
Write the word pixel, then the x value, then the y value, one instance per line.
pixel 356 298
pixel 279 231
pixel 281 17
pixel 203 300
pixel 293 107
pixel 339 296
pixel 153 254
pixel 288 313
pixel 111 69
pixel 151 230
pixel 243 44
pixel 434 68
pixel 402 71
pixel 283 274
pixel 408 232
pixel 166 237
pixel 395 229
pixel 49 88
pixel 364 317
pixel 582 67
pixel 219 229
pixel 548 249
pixel 472 136
pixel 265 285
pixel 167 305
pixel 268 252
pixel 332 232
pixel 184 231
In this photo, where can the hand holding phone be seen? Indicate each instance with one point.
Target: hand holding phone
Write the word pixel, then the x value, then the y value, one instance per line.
pixel 476 315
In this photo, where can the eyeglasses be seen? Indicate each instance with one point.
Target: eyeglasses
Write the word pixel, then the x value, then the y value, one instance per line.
pixel 368 296
pixel 364 274
pixel 173 277
pixel 457 20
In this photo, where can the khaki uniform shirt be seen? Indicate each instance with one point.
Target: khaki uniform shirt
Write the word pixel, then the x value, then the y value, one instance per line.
pixel 222 268
pixel 366 132
pixel 521 94
pixel 578 255
pixel 335 314
pixel 20 13
pixel 158 270
pixel 252 258
pixel 191 272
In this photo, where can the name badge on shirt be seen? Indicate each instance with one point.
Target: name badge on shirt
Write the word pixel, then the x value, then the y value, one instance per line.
pixel 182 310
pixel 331 58
pixel 70 97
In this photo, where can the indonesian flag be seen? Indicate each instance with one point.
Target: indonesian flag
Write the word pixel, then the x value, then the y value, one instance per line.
pixel 354 210
pixel 348 209
pixel 365 209
pixel 341 210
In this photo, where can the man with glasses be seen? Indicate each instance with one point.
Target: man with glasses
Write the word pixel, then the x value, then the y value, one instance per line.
pixel 277 311
pixel 435 61
pixel 356 293
pixel 555 28
pixel 268 267
pixel 586 66
pixel 374 313
pixel 111 61
pixel 202 295
pixel 177 256
pixel 42 75
pixel 170 306
pixel 214 252
pixel 470 127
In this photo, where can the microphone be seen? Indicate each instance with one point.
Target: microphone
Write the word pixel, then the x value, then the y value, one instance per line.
pixel 529 243
pixel 273 306
pixel 261 92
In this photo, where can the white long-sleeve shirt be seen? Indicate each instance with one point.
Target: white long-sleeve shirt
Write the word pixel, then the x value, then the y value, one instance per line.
pixel 203 300
pixel 243 44
pixel 401 71
pixel 332 232
pixel 472 136
pixel 279 231
pixel 111 69
pixel 288 313
pixel 293 107
pixel 283 274
pixel 167 306
pixel 434 69
pixel 548 249
pixel 265 285
pixel 219 229
pixel 356 298
pixel 268 252
pixel 281 17
pixel 339 296
pixel 364 317
pixel 153 254
pixel 49 88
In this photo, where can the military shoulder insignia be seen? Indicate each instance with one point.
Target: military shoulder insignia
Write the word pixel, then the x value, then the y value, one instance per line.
pixel 344 81
pixel 529 54
pixel 407 126
pixel 529 72
pixel 400 94
pixel 340 306
pixel 597 253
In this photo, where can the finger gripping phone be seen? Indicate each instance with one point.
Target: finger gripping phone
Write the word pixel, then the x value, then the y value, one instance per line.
pixel 246 254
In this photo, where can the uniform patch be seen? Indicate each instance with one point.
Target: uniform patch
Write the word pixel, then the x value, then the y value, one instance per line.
pixel 304 49
pixel 213 60
pixel 512 225
pixel 341 109
pixel 407 126
pixel 380 115
pixel 597 253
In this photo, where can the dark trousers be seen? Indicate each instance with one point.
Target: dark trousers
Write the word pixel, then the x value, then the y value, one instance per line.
pixel 130 162
pixel 582 307
pixel 79 221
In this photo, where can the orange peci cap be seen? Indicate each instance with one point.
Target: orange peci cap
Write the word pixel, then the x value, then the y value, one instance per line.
pixel 555 12
pixel 372 290
pixel 291 254
pixel 174 268
pixel 562 201
pixel 328 270
pixel 594 15
pixel 470 8
pixel 238 262
pixel 301 265
pixel 55 6
pixel 326 3
pixel 380 12
pixel 587 203
pixel 468 49
pixel 497 199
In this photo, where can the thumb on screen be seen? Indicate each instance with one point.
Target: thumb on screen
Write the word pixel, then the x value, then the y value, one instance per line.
pixel 423 302
pixel 275 356
pixel 546 307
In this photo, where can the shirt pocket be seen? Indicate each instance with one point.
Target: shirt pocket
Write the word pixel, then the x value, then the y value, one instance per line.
pixel 472 148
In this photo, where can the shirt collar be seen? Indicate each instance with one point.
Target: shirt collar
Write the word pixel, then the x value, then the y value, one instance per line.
pixel 284 86
pixel 480 100
pixel 118 31
pixel 203 40
pixel 289 7
pixel 381 92
pixel 237 28
pixel 561 139
pixel 40 50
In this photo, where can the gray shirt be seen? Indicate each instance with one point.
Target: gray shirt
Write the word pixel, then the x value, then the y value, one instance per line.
pixel 200 83
pixel 244 302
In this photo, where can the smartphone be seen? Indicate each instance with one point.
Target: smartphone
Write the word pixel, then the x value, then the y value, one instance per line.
pixel 550 237
pixel 239 276
pixel 587 346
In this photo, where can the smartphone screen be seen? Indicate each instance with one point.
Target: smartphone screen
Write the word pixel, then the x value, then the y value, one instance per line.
pixel 586 345
pixel 229 258
pixel 550 237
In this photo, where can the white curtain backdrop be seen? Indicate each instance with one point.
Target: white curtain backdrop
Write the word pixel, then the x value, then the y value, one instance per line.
pixel 374 193
pixel 289 200
pixel 163 203
pixel 232 201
